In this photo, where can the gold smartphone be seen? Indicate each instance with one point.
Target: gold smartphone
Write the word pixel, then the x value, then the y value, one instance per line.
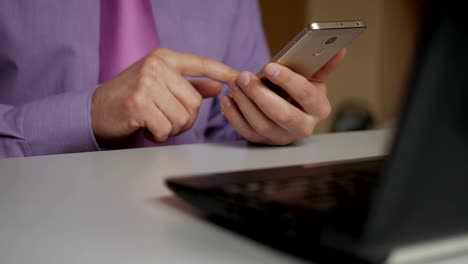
pixel 317 44
pixel 312 48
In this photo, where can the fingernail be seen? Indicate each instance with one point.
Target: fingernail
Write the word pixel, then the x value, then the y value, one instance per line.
pixel 226 102
pixel 244 79
pixel 272 70
pixel 233 85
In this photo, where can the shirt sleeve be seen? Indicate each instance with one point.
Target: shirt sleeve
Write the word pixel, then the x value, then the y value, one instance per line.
pixel 52 125
pixel 248 50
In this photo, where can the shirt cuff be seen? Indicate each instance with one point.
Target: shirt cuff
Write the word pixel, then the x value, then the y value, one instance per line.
pixel 60 124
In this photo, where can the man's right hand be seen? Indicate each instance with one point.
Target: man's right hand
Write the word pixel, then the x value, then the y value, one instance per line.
pixel 153 94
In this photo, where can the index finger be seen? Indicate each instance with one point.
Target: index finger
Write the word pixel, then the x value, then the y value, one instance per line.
pixel 197 66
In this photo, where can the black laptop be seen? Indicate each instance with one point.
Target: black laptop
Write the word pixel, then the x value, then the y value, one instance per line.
pixel 359 210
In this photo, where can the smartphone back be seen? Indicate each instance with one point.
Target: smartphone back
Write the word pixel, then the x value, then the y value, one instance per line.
pixel 316 45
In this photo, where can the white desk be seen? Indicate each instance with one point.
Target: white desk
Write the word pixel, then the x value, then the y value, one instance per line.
pixel 110 207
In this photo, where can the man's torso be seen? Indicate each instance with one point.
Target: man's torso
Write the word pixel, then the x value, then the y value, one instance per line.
pixel 50 47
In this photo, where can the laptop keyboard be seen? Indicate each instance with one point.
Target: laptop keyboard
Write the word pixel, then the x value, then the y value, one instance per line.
pixel 296 200
pixel 338 199
pixel 321 192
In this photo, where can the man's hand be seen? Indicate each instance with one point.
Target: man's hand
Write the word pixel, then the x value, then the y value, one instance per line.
pixel 261 116
pixel 153 94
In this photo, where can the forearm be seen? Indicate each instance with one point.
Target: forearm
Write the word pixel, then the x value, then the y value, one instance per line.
pixel 51 125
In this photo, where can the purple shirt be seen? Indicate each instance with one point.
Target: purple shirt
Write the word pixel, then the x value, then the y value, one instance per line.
pixel 49 66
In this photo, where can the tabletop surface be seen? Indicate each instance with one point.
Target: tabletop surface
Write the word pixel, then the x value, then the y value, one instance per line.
pixel 113 206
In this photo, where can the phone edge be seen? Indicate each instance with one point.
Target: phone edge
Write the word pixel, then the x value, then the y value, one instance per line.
pixel 336 25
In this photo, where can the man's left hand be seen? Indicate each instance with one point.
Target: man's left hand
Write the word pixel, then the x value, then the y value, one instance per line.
pixel 262 116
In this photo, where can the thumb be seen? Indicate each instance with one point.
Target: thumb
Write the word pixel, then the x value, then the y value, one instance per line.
pixel 207 88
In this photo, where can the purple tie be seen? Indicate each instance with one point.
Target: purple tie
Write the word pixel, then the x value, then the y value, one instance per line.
pixel 128 33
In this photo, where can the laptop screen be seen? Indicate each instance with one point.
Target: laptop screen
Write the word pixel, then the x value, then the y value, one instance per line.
pixel 425 188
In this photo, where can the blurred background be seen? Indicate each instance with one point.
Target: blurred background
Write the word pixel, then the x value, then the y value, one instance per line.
pixel 368 86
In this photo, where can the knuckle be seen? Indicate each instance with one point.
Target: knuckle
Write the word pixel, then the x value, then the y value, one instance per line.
pixel 164 131
pixel 194 102
pixel 285 118
pixel 263 128
pixel 133 124
pixel 307 131
pixel 181 122
pixel 143 81
pixel 184 120
pixel 156 60
pixel 134 103
pixel 324 111
pixel 305 94
pixel 152 63
pixel 285 77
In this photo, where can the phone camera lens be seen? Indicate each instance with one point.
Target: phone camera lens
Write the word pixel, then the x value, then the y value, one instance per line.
pixel 330 40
